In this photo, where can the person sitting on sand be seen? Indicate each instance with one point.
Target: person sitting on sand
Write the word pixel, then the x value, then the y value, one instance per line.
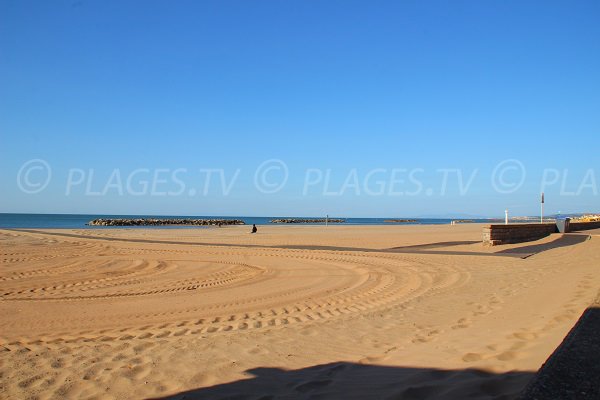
pixel 254 230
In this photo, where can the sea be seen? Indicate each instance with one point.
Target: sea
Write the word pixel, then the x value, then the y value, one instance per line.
pixel 70 221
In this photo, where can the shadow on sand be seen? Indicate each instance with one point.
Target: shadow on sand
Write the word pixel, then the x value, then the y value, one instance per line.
pixel 563 241
pixel 520 252
pixel 427 248
pixel 573 370
pixel 343 380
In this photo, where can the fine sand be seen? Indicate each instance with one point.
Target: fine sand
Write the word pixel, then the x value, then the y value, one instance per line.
pixel 410 312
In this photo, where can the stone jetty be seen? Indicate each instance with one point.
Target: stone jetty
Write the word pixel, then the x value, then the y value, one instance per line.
pixel 397 221
pixel 163 221
pixel 306 221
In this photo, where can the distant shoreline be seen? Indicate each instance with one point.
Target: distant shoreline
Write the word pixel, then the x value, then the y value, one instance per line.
pixel 80 221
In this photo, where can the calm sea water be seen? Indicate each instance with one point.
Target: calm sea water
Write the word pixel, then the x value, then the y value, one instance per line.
pixel 80 220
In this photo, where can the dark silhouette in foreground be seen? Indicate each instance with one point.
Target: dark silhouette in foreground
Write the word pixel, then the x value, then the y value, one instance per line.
pixel 254 230
pixel 573 370
pixel 343 380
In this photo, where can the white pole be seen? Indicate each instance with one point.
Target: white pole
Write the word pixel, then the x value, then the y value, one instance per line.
pixel 542 209
pixel 506 217
pixel 542 214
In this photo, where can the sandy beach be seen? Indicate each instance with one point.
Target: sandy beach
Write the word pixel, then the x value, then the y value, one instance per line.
pixel 411 312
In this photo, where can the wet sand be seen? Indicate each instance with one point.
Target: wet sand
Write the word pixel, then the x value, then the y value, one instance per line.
pixel 293 311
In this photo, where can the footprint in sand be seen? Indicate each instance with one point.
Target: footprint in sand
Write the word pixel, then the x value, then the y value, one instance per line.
pixel 563 318
pixel 30 381
pixel 308 332
pixel 524 335
pixel 462 323
pixel 119 357
pixel 472 357
pixel 372 359
pixel 420 339
pixel 506 356
pixel 143 346
pixel 257 350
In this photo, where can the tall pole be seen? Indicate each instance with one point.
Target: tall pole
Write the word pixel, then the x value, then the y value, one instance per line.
pixel 327 220
pixel 506 217
pixel 542 209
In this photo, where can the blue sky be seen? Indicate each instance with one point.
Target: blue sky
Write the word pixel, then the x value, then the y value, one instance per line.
pixel 340 86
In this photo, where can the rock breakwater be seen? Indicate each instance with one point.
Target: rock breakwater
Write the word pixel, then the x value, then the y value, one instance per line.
pixel 163 221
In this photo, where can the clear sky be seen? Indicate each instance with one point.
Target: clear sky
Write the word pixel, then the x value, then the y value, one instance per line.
pixel 350 96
